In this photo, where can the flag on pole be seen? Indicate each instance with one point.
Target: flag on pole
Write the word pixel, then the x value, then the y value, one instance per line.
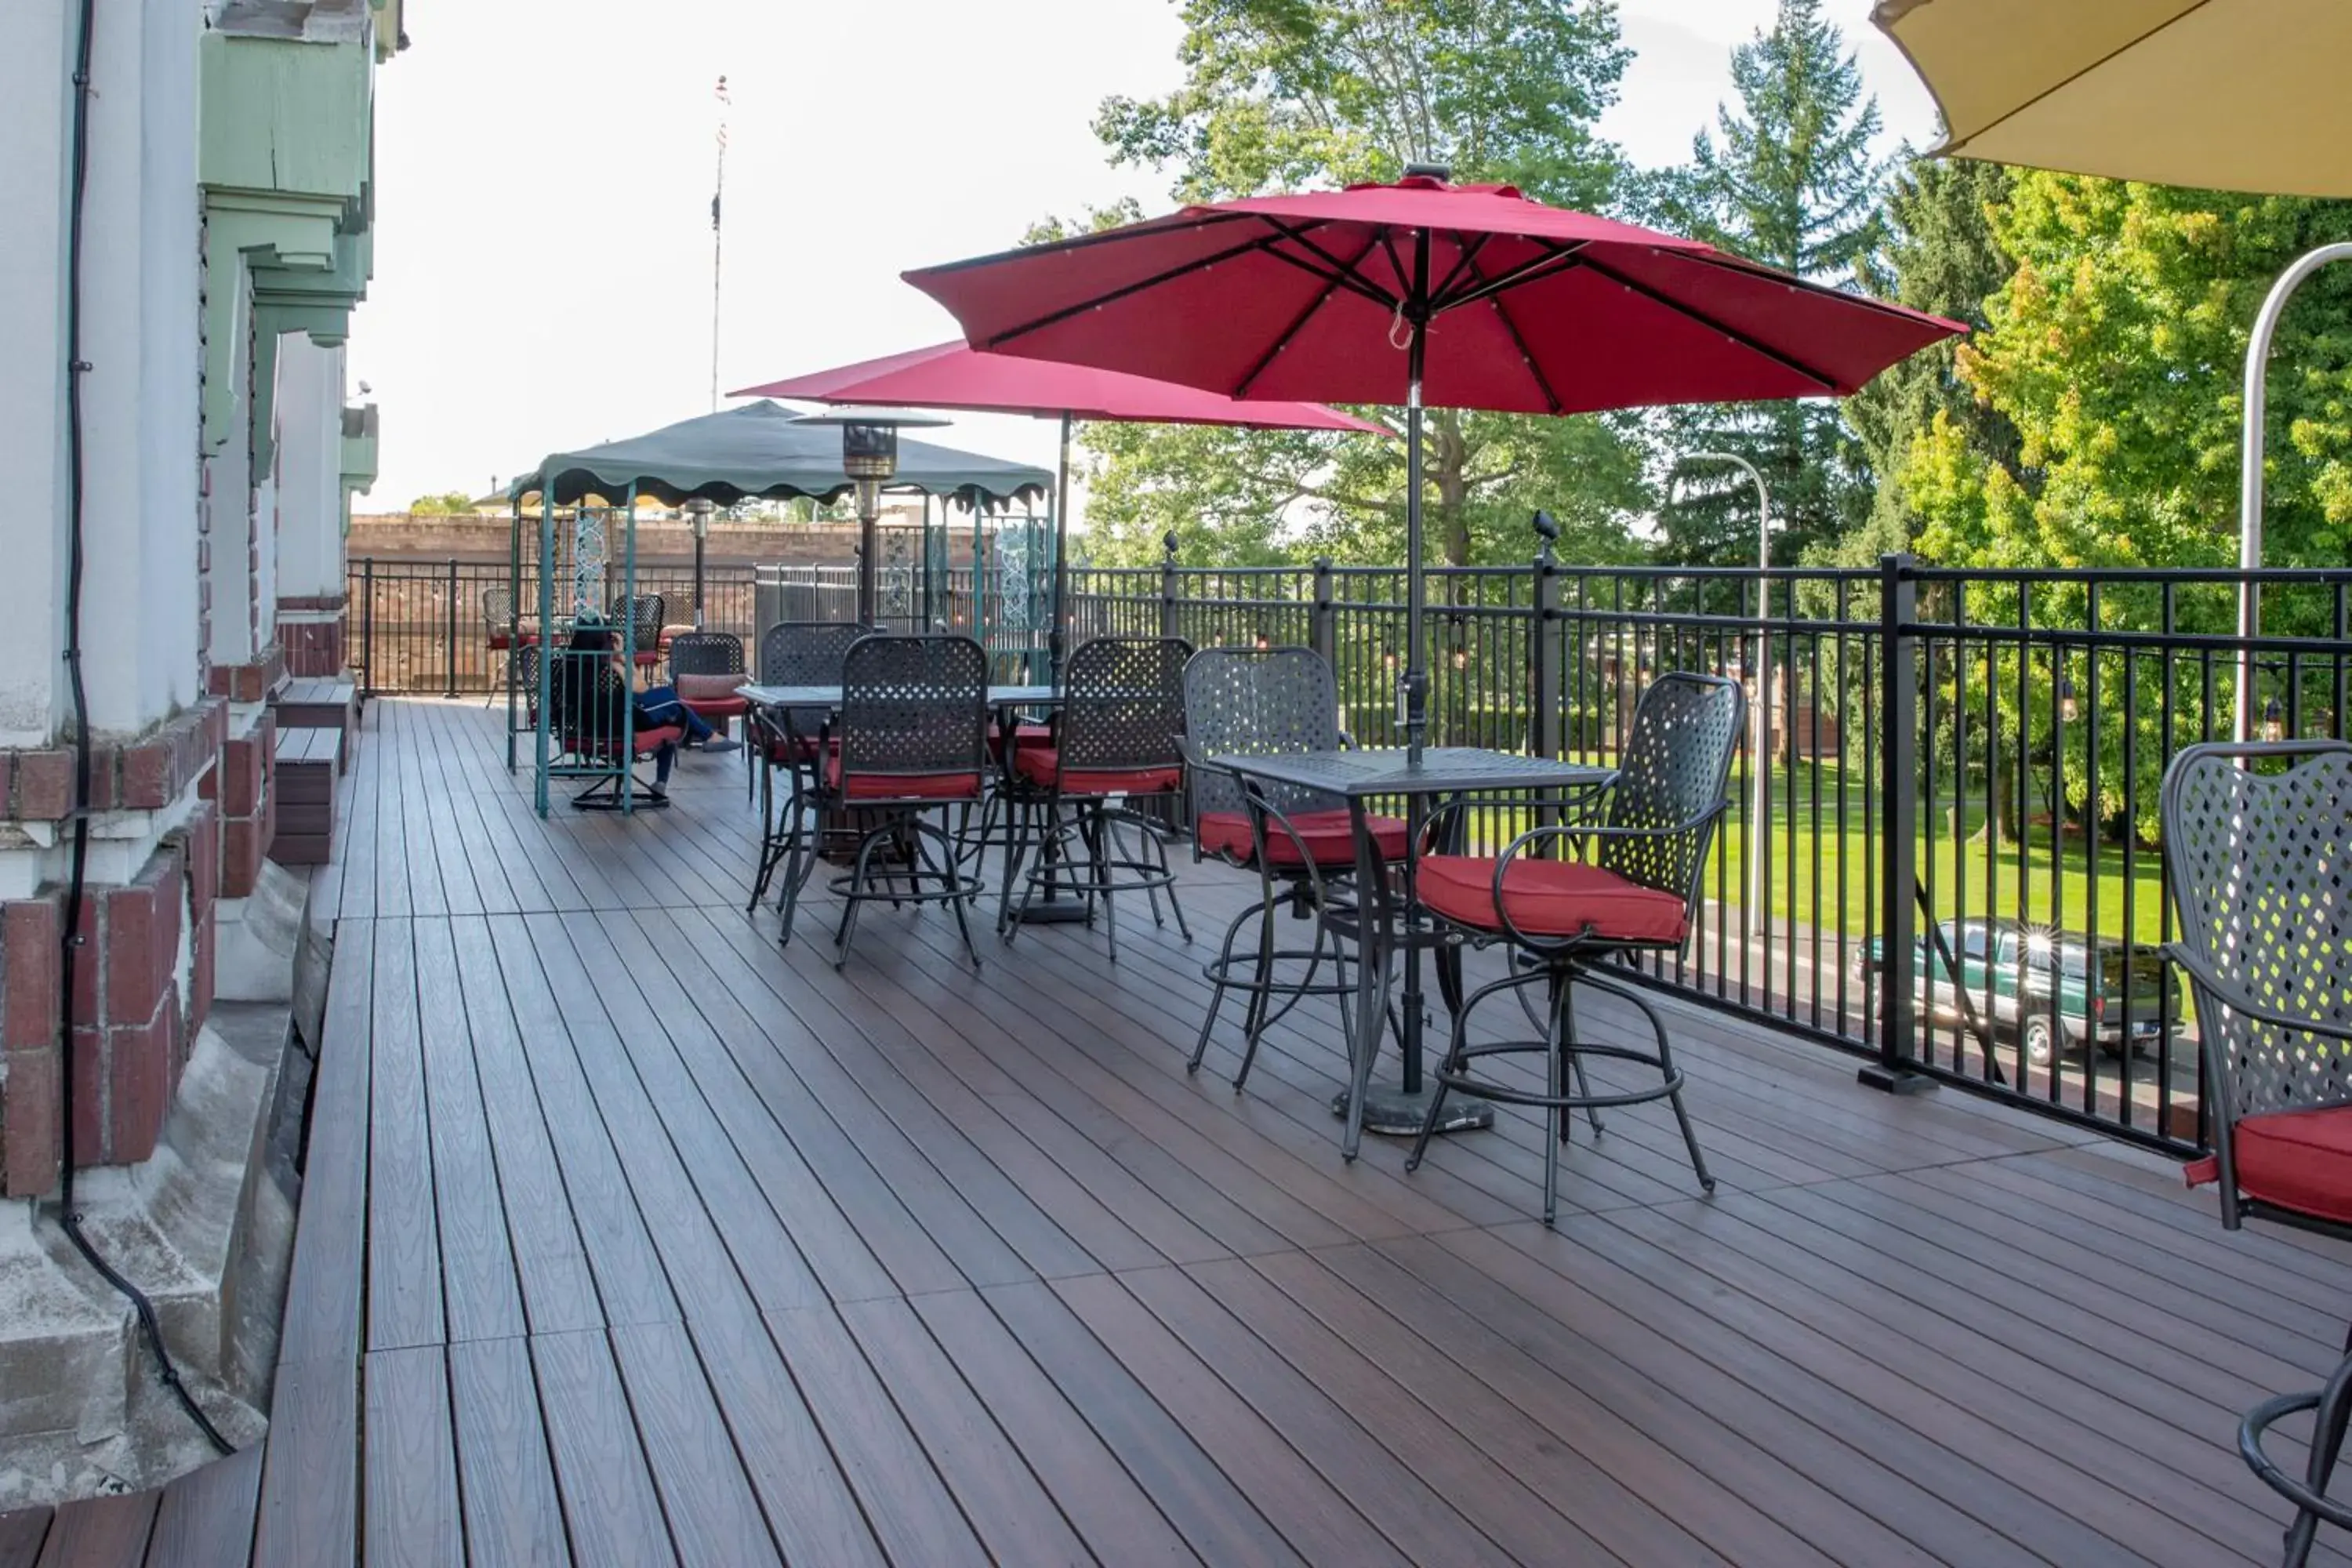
pixel 717 195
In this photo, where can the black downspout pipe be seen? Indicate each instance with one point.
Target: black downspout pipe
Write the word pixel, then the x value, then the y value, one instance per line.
pixel 76 880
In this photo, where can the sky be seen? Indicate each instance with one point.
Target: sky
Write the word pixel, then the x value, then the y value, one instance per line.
pixel 544 170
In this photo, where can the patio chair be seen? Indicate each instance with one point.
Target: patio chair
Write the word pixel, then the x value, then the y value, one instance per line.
pixel 589 702
pixel 2258 849
pixel 911 739
pixel 502 634
pixel 706 669
pixel 1114 749
pixel 1300 843
pixel 647 613
pixel 1628 885
pixel 792 653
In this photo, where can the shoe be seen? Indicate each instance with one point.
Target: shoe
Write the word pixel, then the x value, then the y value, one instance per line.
pixel 722 744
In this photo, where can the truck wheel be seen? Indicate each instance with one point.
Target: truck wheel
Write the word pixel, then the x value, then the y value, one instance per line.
pixel 2040 1046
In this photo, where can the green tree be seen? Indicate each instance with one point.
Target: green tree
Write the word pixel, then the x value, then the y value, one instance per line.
pixel 1286 93
pixel 1787 178
pixel 449 503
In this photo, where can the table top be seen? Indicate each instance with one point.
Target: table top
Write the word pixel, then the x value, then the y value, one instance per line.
pixel 830 696
pixel 1444 770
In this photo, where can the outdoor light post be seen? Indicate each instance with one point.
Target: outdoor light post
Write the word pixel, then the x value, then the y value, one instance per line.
pixel 870 460
pixel 1760 818
pixel 698 511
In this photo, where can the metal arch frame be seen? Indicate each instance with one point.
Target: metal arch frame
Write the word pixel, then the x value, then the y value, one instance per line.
pixel 2250 480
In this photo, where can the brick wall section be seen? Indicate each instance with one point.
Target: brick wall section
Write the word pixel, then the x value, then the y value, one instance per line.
pixel 314 645
pixel 132 1019
pixel 243 787
pixel 250 682
pixel 146 774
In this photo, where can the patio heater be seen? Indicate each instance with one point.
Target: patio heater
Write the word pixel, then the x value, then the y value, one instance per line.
pixel 698 511
pixel 870 460
pixel 1760 827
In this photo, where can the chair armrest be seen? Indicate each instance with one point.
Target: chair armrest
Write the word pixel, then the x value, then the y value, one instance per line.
pixel 2230 996
pixel 1583 833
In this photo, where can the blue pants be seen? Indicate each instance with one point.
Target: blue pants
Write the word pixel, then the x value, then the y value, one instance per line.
pixel 658 706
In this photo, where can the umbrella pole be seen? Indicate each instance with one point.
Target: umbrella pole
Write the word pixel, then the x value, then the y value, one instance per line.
pixel 1413 691
pixel 1058 639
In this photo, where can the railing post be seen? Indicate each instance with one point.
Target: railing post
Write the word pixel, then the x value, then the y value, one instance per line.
pixel 1323 620
pixel 1544 674
pixel 449 652
pixel 1169 617
pixel 1898 806
pixel 367 626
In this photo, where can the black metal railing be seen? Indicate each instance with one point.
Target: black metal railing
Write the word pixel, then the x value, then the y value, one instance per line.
pixel 1942 856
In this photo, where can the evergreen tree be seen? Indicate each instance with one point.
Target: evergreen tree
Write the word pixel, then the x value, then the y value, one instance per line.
pixel 1937 253
pixel 1787 179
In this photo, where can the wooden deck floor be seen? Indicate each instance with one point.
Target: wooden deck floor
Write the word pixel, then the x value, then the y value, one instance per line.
pixel 629 1238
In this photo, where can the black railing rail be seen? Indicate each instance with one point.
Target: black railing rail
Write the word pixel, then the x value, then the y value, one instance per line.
pixel 1942 857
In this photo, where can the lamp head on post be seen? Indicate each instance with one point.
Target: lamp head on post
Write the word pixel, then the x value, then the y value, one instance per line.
pixel 2273 720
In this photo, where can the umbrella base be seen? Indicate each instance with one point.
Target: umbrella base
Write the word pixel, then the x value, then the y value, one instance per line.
pixel 1054 911
pixel 1399 1114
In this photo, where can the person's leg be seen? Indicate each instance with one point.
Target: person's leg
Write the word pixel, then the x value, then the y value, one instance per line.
pixel 660 706
pixel 663 758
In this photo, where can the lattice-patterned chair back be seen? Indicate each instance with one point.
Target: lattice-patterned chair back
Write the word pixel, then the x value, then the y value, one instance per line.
pixel 589 701
pixel 1259 701
pixel 497 609
pixel 806 653
pixel 706 653
pixel 646 618
pixel 913 707
pixel 1672 771
pixel 2260 859
pixel 1123 705
pixel 526 681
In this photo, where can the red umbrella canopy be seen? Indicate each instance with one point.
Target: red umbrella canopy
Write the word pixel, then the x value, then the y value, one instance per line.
pixel 1529 308
pixel 955 375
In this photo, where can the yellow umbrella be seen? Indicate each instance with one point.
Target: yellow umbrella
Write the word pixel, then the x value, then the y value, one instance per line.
pixel 2239 95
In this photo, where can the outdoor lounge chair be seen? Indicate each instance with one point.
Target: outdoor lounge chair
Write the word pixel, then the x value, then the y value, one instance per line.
pixel 705 670
pixel 589 710
pixel 1302 845
pixel 2258 849
pixel 1627 885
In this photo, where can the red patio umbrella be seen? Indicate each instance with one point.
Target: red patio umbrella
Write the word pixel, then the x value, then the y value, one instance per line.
pixel 1464 296
pixel 955 375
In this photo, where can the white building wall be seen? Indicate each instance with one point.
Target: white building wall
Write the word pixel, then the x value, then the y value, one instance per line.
pixel 309 469
pixel 36 43
pixel 171 359
pixel 229 489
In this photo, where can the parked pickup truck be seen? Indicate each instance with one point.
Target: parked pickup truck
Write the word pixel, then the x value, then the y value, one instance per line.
pixel 2025 981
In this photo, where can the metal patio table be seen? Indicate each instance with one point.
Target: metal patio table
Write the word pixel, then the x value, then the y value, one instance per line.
pixel 1395 923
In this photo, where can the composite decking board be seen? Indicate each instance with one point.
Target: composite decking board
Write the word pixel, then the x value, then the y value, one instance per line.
pixel 483 1298
pixel 798 1022
pixel 1413 1503
pixel 858 1236
pixel 909 1506
pixel 308 1514
pixel 713 1515
pixel 2059 1419
pixel 1973 1510
pixel 683 1222
pixel 1016 1519
pixel 550 1261
pixel 747 1225
pixel 322 1321
pixel 513 1518
pixel 404 1299
pixel 631 1284
pixel 2018 1476
pixel 1627 1515
pixel 1313 1516
pixel 1100 1500
pixel 611 1510
pixel 101 1532
pixel 1906 1330
pixel 810 1506
pixel 204 1518
pixel 411 1483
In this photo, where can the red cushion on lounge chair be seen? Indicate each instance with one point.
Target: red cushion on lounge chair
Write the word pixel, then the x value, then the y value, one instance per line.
pixel 1551 898
pixel 2299 1160
pixel 1330 838
pixel 903 786
pixel 652 740
pixel 1042 764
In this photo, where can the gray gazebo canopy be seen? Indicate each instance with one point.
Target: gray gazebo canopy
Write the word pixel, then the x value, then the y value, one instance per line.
pixel 757 452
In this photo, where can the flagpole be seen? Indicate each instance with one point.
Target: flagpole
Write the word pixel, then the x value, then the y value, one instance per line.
pixel 717 240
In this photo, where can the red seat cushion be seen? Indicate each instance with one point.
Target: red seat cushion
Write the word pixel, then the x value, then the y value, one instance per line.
pixel 2299 1160
pixel 718 707
pixel 903 786
pixel 1024 737
pixel 649 742
pixel 1551 898
pixel 1330 838
pixel 1042 764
